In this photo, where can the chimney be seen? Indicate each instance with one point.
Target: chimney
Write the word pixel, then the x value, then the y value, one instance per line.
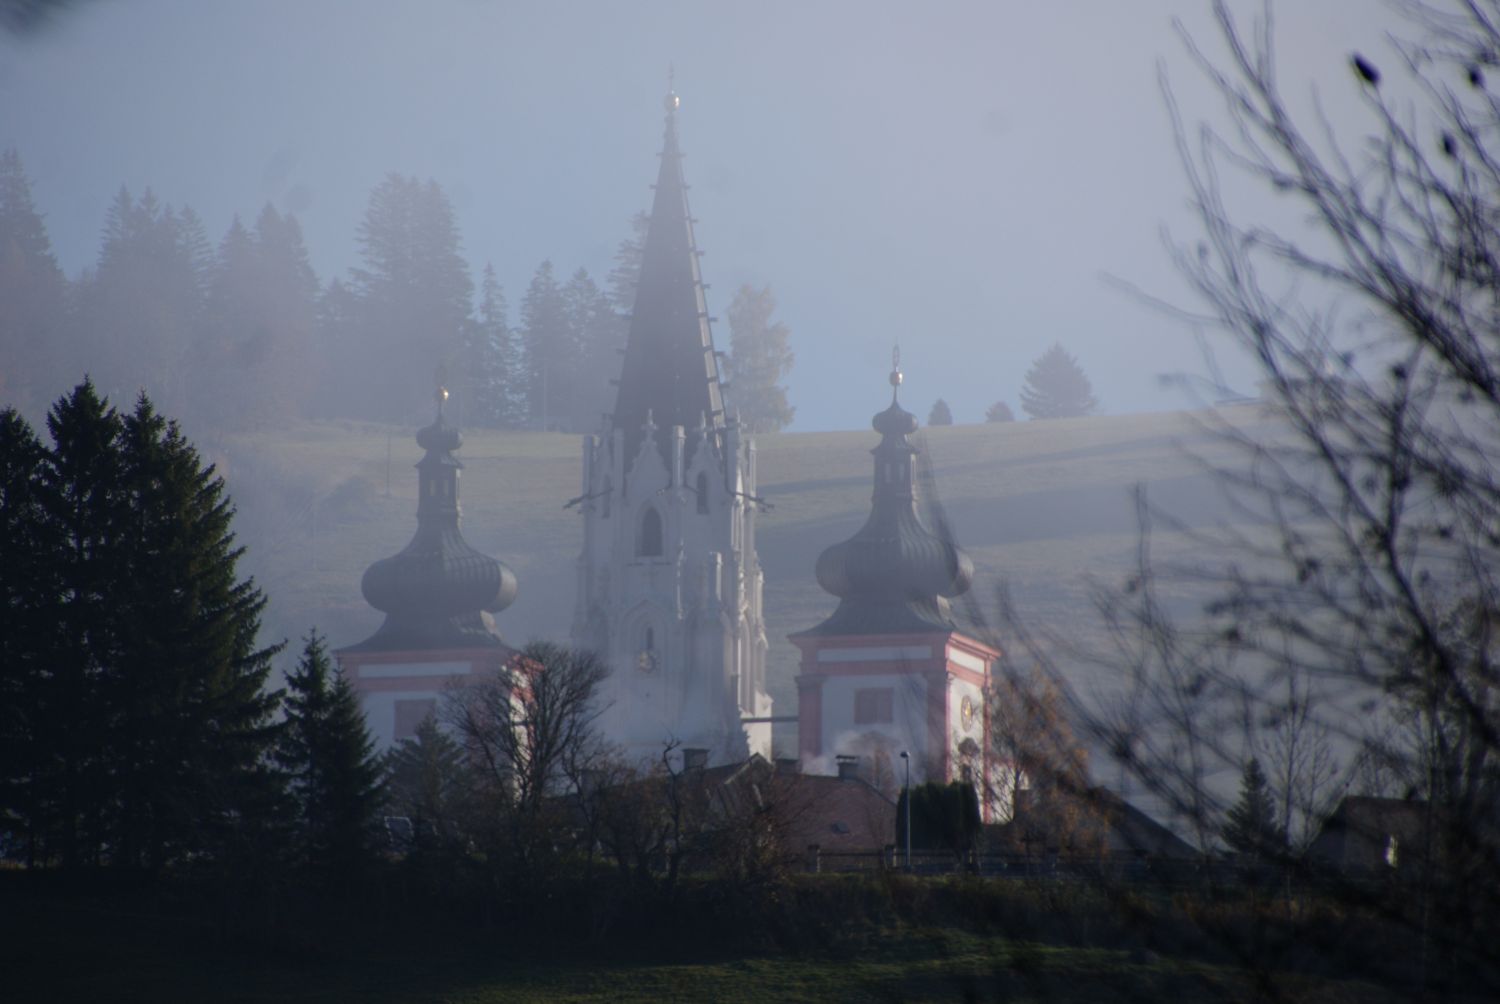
pixel 848 767
pixel 788 765
pixel 694 759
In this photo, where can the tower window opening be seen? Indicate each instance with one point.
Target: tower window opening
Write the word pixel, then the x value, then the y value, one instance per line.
pixel 650 542
pixel 609 491
pixel 702 493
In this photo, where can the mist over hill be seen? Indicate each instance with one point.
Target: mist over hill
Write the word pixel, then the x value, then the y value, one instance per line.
pixel 1045 509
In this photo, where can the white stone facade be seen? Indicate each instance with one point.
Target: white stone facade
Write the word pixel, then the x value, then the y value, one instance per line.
pixel 669 591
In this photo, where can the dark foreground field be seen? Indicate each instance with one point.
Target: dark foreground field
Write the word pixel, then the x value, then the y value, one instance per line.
pixel 66 945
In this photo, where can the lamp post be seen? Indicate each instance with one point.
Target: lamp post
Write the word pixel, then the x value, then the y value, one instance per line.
pixel 906 758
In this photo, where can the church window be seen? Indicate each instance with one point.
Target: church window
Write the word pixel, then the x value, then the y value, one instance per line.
pixel 874 706
pixel 609 490
pixel 702 493
pixel 650 541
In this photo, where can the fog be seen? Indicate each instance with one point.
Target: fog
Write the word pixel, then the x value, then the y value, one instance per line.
pixel 964 180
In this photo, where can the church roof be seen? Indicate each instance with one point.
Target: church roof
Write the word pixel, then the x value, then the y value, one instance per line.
pixel 895 576
pixel 670 372
pixel 438 592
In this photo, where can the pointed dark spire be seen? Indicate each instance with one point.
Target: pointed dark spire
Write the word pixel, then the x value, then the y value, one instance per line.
pixel 438 592
pixel 895 576
pixel 670 366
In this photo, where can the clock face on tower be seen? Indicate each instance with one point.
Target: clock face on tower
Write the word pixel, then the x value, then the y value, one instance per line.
pixel 968 714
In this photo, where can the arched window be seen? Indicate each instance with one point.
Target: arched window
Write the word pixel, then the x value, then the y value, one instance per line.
pixel 702 493
pixel 650 540
pixel 609 491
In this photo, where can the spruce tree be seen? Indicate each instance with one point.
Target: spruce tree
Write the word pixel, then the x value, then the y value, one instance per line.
pixel 1250 827
pixel 145 720
pixel 32 296
pixel 28 594
pixel 940 413
pixel 759 359
pixel 600 339
pixel 999 412
pixel 552 351
pixel 428 786
pixel 337 781
pixel 415 300
pixel 1056 387
pixel 143 309
pixel 496 395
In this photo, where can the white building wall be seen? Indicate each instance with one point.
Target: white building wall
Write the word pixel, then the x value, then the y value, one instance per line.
pixel 700 598
pixel 906 731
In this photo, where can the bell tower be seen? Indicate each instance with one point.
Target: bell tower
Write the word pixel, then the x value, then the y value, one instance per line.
pixel 669 586
pixel 890 672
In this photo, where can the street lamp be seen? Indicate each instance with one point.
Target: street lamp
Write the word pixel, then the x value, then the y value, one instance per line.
pixel 906 757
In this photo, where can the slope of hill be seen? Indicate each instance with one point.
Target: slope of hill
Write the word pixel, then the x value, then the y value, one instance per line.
pixel 1044 507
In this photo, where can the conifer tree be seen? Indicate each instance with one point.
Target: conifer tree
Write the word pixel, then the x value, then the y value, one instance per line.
pixel 552 351
pixel 1056 387
pixel 415 299
pixel 626 273
pixel 940 413
pixel 496 394
pixel 600 337
pixel 146 728
pixel 759 358
pixel 32 296
pixel 337 781
pixel 428 785
pixel 1250 826
pixel 143 308
pixel 999 412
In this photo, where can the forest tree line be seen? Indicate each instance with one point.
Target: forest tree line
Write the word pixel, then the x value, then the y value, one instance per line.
pixel 243 333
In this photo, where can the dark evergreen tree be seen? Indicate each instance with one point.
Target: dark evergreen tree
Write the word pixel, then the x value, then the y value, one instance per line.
pixel 415 299
pixel 337 781
pixel 552 351
pixel 428 786
pixel 28 594
pixel 940 413
pixel 1250 827
pixel 32 297
pixel 759 358
pixel 146 720
pixel 1056 387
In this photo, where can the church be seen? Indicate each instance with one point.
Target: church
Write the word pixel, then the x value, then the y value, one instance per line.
pixel 669 586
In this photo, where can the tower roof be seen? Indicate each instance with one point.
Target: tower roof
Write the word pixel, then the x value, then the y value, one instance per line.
pixel 670 373
pixel 895 576
pixel 438 592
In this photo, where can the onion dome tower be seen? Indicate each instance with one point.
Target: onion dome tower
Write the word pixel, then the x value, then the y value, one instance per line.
pixel 894 575
pixel 669 585
pixel 438 595
pixel 890 671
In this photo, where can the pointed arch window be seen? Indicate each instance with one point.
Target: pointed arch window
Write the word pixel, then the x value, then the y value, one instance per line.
pixel 649 545
pixel 702 493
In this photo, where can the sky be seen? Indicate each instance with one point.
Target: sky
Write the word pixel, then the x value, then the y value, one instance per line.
pixel 973 181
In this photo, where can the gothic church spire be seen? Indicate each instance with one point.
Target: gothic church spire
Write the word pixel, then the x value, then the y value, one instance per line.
pixel 670 368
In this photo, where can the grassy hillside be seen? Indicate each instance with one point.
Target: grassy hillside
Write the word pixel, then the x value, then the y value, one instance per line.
pixel 1043 506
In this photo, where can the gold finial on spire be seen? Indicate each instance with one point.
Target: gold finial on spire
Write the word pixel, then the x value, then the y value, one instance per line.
pixel 896 377
pixel 672 101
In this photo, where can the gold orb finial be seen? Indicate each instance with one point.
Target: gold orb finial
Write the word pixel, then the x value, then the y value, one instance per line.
pixel 896 376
